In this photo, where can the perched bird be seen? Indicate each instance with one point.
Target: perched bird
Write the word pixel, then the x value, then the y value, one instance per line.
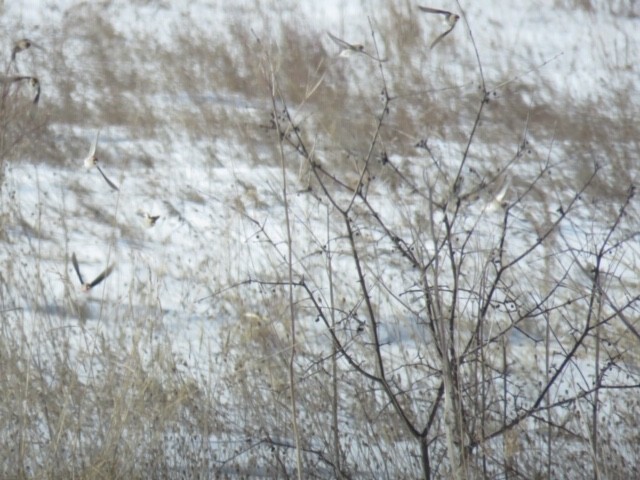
pixel 347 49
pixel 22 45
pixel 450 18
pixel 92 161
pixel 33 82
pixel 89 285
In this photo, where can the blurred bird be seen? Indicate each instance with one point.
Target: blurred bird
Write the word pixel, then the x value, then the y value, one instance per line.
pixel 92 161
pixel 348 49
pixel 22 45
pixel 33 82
pixel 498 201
pixel 89 285
pixel 149 219
pixel 450 18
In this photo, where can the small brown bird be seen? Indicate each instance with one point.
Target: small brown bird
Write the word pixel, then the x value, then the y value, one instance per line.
pixel 92 161
pixel 86 286
pixel 348 49
pixel 22 45
pixel 450 18
pixel 33 82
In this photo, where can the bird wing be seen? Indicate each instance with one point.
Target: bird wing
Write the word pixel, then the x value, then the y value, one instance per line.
pixel 74 260
pixel 434 10
pixel 437 40
pixel 101 277
pixel 343 44
pixel 502 191
pixel 35 45
pixel 339 42
pixel 14 79
pixel 111 184
pixel 374 57
pixel 94 145
pixel 36 84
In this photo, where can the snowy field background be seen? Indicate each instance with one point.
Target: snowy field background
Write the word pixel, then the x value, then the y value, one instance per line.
pixel 176 366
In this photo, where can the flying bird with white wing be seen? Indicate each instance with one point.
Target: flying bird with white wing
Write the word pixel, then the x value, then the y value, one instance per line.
pixel 32 81
pixel 92 161
pixel 450 18
pixel 348 49
pixel 86 286
pixel 22 45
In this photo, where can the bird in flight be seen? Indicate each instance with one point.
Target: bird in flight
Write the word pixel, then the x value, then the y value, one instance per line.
pixel 348 49
pixel 450 18
pixel 86 286
pixel 149 219
pixel 35 84
pixel 498 200
pixel 22 45
pixel 33 81
pixel 92 161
